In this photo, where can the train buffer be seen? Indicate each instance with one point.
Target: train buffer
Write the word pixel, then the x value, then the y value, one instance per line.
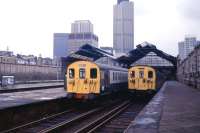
pixel 174 109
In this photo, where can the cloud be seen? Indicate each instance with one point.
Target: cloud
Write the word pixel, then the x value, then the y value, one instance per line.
pixel 189 9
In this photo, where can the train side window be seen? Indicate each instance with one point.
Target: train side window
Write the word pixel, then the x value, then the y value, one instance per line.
pixel 102 74
pixel 93 73
pixel 132 74
pixel 150 74
pixel 141 74
pixel 81 73
pixel 71 73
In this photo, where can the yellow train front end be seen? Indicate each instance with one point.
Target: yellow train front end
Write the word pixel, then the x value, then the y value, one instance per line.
pixel 82 80
pixel 142 79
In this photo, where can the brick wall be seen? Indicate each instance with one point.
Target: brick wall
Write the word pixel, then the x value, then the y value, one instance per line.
pixel 188 71
pixel 30 72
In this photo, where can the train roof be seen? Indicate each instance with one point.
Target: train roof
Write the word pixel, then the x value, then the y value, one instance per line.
pixel 142 66
pixel 105 66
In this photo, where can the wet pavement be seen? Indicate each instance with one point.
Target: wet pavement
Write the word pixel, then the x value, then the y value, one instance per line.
pixel 175 109
pixel 181 110
pixel 21 98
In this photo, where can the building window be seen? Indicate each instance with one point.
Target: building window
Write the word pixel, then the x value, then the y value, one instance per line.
pixel 81 73
pixel 93 73
pixel 71 36
pixel 79 36
pixel 87 36
pixel 71 73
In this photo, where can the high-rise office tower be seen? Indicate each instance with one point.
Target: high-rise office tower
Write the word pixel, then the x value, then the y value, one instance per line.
pixel 81 33
pixel 187 46
pixel 60 45
pixel 82 26
pixel 119 1
pixel 123 26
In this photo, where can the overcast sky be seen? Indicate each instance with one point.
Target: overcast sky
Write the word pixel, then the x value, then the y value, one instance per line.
pixel 27 26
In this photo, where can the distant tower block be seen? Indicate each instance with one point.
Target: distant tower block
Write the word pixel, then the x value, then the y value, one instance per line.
pixel 123 27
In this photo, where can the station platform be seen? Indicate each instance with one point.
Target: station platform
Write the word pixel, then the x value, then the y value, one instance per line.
pixel 31 85
pixel 174 109
pixel 14 99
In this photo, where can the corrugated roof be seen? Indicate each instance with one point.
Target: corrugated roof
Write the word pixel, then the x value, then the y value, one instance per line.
pixel 142 50
pixel 88 52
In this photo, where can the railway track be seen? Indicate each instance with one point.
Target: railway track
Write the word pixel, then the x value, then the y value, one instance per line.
pixel 53 122
pixel 116 120
pixel 58 121
pixel 31 125
pixel 120 122
pixel 94 125
pixel 115 116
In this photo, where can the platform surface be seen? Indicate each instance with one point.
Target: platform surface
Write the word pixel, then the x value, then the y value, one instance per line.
pixel 21 98
pixel 181 110
pixel 18 86
pixel 175 109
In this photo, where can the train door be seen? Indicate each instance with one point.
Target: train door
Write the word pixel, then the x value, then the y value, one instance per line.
pixel 94 81
pixel 81 80
pixel 141 78
pixel 70 80
pixel 150 80
pixel 132 79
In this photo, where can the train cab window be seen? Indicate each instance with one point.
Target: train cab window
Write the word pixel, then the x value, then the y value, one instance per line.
pixel 71 73
pixel 132 74
pixel 93 73
pixel 150 74
pixel 81 73
pixel 141 74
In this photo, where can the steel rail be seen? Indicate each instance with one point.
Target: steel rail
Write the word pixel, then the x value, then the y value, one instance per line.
pixel 67 123
pixel 91 127
pixel 37 121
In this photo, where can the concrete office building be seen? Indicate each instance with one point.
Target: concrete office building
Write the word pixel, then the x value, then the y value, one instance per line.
pixel 123 27
pixel 81 33
pixel 119 1
pixel 76 40
pixel 82 26
pixel 187 46
pixel 60 45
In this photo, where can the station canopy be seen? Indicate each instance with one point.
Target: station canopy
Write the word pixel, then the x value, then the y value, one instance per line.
pixel 144 50
pixel 88 52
